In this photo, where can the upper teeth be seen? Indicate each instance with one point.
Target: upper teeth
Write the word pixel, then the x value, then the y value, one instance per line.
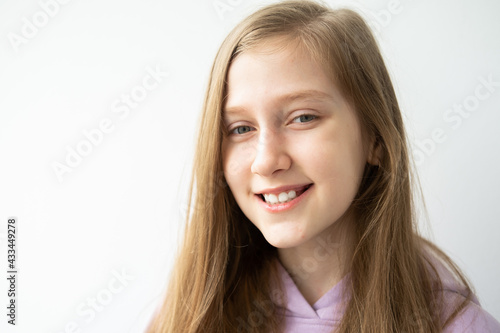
pixel 282 197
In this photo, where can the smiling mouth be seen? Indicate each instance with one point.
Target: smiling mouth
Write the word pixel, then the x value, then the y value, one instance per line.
pixel 283 197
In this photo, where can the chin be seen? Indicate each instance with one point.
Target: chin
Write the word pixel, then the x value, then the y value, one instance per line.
pixel 282 239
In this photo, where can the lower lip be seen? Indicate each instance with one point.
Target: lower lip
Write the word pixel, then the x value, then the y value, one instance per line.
pixel 277 208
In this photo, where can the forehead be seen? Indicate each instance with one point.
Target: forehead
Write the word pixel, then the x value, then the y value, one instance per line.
pixel 278 72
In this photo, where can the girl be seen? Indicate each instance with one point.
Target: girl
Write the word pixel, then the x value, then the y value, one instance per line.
pixel 302 211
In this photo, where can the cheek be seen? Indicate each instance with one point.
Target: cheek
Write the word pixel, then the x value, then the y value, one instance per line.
pixel 329 158
pixel 235 162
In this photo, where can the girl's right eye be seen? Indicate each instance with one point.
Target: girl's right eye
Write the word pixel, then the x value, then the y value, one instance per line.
pixel 241 130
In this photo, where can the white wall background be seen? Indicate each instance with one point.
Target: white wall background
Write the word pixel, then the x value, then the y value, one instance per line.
pixel 119 210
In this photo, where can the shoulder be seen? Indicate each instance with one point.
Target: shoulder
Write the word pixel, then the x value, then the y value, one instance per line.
pixel 473 317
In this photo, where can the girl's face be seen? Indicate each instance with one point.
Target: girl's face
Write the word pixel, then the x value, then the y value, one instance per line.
pixel 293 139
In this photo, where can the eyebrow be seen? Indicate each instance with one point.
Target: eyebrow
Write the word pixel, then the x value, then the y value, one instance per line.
pixel 287 99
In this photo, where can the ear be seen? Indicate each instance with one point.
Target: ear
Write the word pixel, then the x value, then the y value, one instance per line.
pixel 374 152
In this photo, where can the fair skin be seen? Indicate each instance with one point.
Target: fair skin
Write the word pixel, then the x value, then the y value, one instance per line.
pixel 290 127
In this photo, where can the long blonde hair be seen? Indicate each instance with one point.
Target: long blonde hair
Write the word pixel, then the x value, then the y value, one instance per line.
pixel 223 270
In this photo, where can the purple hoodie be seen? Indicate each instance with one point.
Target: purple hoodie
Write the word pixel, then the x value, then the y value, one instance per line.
pixel 327 312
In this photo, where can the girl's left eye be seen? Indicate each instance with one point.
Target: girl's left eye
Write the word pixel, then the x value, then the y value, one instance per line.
pixel 304 118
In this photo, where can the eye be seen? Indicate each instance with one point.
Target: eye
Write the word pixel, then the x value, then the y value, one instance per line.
pixel 241 130
pixel 304 118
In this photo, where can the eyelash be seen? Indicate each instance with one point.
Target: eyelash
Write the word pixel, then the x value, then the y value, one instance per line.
pixel 302 115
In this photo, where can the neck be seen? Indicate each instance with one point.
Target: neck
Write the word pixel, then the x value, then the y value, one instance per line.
pixel 320 263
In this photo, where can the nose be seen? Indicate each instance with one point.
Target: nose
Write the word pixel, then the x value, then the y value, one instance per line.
pixel 271 154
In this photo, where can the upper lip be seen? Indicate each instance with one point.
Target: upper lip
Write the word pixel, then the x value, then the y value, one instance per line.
pixel 284 188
